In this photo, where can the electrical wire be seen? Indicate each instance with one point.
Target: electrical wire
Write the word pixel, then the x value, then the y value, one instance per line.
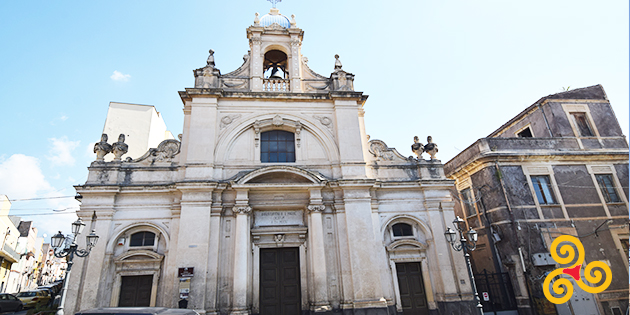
pixel 42 198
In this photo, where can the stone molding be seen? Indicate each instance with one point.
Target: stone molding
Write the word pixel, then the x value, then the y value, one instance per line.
pixel 242 210
pixel 316 208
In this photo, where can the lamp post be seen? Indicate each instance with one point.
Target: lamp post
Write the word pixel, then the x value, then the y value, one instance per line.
pixel 57 241
pixel 467 244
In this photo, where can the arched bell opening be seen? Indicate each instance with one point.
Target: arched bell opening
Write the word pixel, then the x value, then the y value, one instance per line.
pixel 275 65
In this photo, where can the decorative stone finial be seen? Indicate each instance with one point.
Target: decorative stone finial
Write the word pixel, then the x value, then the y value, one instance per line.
pixel 431 148
pixel 257 20
pixel 119 148
pixel 417 148
pixel 293 23
pixel 102 148
pixel 211 58
pixel 337 63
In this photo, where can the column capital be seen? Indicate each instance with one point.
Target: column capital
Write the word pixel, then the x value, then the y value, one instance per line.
pixel 316 208
pixel 242 209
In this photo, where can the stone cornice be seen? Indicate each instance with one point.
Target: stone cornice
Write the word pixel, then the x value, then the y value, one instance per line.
pixel 589 156
pixel 190 93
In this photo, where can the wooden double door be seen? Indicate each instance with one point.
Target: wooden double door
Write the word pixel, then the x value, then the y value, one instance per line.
pixel 135 291
pixel 413 297
pixel 280 281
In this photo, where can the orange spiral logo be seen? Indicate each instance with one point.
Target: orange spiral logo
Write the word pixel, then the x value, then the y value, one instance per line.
pixel 563 287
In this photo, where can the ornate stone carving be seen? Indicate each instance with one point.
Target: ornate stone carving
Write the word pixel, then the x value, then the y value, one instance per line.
pixel 431 148
pixel 293 23
pixel 417 148
pixel 165 152
pixel 337 63
pixel 255 40
pixel 278 238
pixel 210 61
pixel 326 121
pixel 256 132
pixel 298 132
pixel 257 20
pixel 119 148
pixel 228 119
pixel 341 80
pixel 242 209
pixel 295 42
pixel 102 148
pixel 382 152
pixel 316 208
pixel 379 149
pixel 277 121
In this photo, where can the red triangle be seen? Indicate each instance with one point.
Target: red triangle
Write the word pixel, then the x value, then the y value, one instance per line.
pixel 573 272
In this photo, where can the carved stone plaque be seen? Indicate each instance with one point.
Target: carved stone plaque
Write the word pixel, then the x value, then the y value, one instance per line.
pixel 269 218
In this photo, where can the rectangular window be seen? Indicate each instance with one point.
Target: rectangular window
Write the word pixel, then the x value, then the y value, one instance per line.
pixel 277 146
pixel 582 125
pixel 544 193
pixel 469 202
pixel 607 188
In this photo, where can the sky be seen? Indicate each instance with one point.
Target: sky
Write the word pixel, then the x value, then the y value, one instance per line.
pixel 454 70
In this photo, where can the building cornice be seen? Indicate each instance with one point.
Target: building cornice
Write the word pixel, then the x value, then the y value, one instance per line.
pixel 191 93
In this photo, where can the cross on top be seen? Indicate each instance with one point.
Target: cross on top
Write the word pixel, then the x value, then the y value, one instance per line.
pixel 273 2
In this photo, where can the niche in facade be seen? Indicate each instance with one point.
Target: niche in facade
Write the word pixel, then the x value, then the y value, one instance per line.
pixel 275 65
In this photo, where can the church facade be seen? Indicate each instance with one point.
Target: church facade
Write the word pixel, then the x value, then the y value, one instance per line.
pixel 273 201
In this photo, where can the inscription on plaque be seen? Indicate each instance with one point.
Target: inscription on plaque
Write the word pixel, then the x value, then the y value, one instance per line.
pixel 267 218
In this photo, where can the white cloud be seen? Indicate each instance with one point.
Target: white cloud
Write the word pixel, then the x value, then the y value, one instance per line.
pixel 61 151
pixel 63 118
pixel 21 177
pixel 119 76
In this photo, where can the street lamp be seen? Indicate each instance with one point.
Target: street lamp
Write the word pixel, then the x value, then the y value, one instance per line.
pixel 467 243
pixel 57 241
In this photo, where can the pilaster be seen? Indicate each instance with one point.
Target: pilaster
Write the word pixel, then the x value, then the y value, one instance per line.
pixel 349 133
pixel 193 238
pixel 201 132
pixel 242 249
pixel 317 255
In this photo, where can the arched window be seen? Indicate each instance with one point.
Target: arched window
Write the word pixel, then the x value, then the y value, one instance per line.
pixel 142 239
pixel 402 229
pixel 277 146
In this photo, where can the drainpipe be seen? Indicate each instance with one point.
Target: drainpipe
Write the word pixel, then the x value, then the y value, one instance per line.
pixel 546 122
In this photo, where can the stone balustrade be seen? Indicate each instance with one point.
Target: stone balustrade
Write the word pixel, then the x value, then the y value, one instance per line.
pixel 275 85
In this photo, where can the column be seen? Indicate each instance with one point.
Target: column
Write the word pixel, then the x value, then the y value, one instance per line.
pixel 318 254
pixel 241 253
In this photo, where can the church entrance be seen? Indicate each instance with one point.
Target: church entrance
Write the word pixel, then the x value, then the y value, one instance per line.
pixel 412 295
pixel 135 291
pixel 280 281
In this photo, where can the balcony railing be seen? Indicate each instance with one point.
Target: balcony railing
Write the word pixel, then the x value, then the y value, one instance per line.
pixel 275 85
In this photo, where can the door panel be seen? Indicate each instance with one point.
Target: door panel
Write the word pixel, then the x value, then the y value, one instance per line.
pixel 280 281
pixel 412 295
pixel 135 291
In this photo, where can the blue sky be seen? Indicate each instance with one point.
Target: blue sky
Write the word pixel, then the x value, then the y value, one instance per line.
pixel 455 70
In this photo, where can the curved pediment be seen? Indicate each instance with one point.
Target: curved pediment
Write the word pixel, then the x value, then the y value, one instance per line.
pixel 139 255
pixel 281 174
pixel 406 245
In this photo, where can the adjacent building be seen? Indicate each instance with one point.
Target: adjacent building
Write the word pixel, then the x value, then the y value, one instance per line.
pixel 142 126
pixel 559 167
pixel 274 202
pixel 9 234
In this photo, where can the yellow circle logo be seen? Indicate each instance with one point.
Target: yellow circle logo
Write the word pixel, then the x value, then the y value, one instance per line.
pixel 563 287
